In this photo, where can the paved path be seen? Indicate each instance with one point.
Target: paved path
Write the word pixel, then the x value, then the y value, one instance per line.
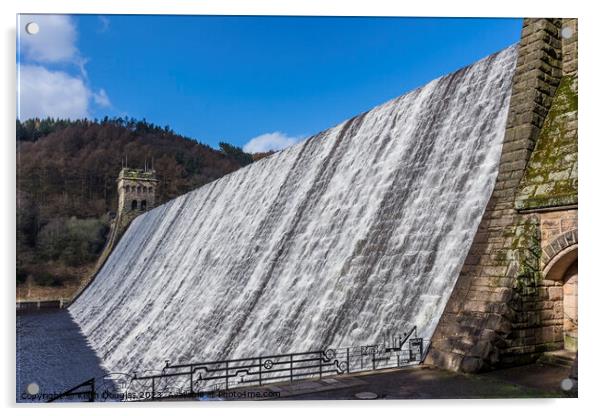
pixel 531 381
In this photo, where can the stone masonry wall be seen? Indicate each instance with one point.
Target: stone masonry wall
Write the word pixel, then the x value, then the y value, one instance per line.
pixel 495 312
pixel 569 47
pixel 546 315
pixel 550 180
pixel 134 185
pixel 555 223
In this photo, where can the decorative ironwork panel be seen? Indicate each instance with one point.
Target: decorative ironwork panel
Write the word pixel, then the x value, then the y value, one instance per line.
pixel 197 378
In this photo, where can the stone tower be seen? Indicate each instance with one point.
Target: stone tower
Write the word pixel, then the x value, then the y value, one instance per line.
pixel 136 189
pixel 137 194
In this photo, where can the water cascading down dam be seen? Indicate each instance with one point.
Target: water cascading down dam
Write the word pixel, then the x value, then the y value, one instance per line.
pixel 355 233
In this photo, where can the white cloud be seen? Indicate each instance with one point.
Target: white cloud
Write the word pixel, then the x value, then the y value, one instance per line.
pixel 102 99
pixel 270 141
pixel 45 93
pixel 46 86
pixel 54 43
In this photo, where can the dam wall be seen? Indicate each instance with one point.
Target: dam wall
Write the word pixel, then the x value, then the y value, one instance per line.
pixel 452 208
pixel 351 236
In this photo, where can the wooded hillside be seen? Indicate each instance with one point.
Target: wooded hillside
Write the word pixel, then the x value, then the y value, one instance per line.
pixel 66 186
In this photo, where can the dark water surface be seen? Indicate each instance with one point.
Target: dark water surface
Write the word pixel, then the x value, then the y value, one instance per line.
pixel 53 353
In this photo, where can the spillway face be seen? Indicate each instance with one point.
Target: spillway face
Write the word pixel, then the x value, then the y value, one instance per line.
pixel 354 233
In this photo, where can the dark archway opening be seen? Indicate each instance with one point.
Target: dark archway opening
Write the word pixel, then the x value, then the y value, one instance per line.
pixel 134 205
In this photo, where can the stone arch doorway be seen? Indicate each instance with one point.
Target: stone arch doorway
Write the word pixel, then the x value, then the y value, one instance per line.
pixel 560 260
pixel 570 307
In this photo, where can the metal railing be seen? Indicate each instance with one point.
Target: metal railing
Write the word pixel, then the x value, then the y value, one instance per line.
pixel 89 392
pixel 198 377
pixel 195 379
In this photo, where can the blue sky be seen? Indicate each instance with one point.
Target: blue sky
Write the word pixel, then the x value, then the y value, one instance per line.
pixel 255 81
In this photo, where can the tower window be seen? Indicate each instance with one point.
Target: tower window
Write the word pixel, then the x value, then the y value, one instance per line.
pixel 143 205
pixel 134 205
pixel 127 188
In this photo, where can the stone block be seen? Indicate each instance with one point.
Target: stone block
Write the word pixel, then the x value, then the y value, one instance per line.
pixel 533 319
pixel 555 293
pixel 444 359
pixel 482 348
pixel 502 295
pixel 568 224
pixel 494 271
pixel 543 293
pixel 471 365
pixel 545 305
pixel 550 223
pixel 549 314
pixel 500 309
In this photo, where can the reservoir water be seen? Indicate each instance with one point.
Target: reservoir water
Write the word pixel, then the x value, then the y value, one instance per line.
pixel 52 354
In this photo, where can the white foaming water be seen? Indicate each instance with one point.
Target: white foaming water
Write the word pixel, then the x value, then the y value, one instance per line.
pixel 357 232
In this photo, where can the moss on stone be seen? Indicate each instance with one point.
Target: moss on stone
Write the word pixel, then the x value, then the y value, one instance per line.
pixel 130 173
pixel 525 253
pixel 551 175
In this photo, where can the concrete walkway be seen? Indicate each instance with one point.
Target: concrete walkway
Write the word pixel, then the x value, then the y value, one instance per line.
pixel 531 381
